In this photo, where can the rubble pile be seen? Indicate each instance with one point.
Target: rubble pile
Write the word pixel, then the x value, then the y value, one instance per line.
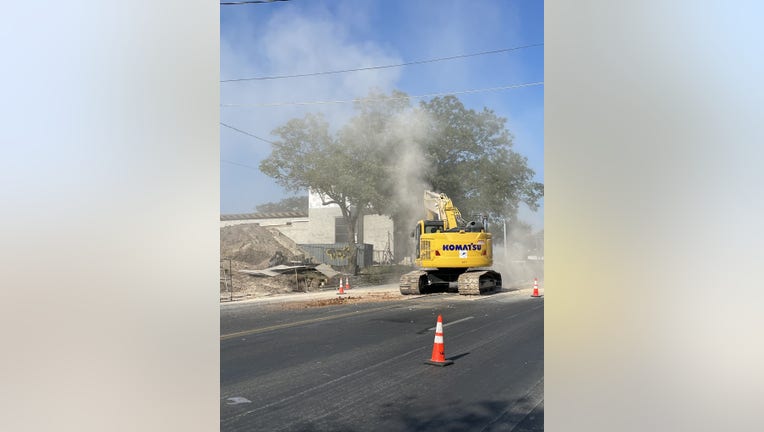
pixel 253 247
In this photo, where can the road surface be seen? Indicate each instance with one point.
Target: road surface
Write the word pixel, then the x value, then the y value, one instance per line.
pixel 360 367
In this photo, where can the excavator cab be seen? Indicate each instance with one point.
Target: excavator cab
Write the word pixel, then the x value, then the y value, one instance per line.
pixel 425 227
pixel 433 227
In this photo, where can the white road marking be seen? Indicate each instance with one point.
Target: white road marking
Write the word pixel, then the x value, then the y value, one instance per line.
pixel 452 322
pixel 237 400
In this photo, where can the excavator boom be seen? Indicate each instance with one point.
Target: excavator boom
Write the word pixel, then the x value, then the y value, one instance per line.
pixel 440 207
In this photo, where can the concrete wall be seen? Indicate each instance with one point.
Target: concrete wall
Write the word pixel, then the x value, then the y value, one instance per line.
pixel 322 224
pixel 375 230
pixel 318 227
pixel 297 232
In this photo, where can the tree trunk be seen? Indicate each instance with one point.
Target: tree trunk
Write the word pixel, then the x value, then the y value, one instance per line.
pixel 401 239
pixel 353 260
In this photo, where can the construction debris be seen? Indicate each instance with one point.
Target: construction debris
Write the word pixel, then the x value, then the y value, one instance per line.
pixel 327 271
pixel 277 270
pixel 263 261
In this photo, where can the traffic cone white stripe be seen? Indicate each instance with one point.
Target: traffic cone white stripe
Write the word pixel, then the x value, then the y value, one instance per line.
pixel 439 339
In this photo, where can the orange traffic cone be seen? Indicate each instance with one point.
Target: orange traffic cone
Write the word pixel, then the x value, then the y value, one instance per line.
pixel 347 283
pixel 341 291
pixel 535 288
pixel 438 349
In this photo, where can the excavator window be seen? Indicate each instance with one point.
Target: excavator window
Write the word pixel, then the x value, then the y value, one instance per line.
pixel 430 227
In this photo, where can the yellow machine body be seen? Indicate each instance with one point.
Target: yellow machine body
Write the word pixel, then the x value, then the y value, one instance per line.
pixel 462 247
pixel 450 254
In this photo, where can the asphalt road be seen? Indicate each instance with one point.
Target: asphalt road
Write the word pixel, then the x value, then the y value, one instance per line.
pixel 361 367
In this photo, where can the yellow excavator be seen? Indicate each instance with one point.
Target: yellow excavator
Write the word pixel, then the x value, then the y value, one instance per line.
pixel 451 254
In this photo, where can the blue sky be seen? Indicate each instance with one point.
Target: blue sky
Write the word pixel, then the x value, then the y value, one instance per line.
pixel 301 36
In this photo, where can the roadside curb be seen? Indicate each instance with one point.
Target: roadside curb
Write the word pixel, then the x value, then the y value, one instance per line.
pixel 315 295
pixel 361 291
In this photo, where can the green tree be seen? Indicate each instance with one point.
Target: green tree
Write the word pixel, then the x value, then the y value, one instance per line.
pixel 289 204
pixel 390 150
pixel 370 140
pixel 472 161
pixel 308 156
pixel 378 131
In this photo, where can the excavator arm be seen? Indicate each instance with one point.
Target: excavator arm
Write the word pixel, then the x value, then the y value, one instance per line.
pixel 440 207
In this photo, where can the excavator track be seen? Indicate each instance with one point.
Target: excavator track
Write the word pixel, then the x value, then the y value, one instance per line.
pixel 411 282
pixel 479 282
pixel 475 282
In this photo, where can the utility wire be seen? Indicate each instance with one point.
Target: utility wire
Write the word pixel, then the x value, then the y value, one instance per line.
pixel 238 164
pixel 378 99
pixel 237 3
pixel 274 77
pixel 246 133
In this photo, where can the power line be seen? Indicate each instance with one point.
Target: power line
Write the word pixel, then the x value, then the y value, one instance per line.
pixel 246 133
pixel 381 98
pixel 237 3
pixel 238 164
pixel 274 77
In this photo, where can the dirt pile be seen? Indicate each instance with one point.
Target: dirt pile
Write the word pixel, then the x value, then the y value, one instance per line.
pixel 256 245
pixel 252 247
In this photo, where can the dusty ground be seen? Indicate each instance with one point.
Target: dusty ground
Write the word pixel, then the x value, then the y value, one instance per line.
pixel 342 299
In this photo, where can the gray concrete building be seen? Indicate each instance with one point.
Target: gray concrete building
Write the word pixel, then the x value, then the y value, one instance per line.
pixel 322 224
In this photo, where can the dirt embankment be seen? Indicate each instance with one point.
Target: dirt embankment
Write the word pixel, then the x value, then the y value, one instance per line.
pixel 252 247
